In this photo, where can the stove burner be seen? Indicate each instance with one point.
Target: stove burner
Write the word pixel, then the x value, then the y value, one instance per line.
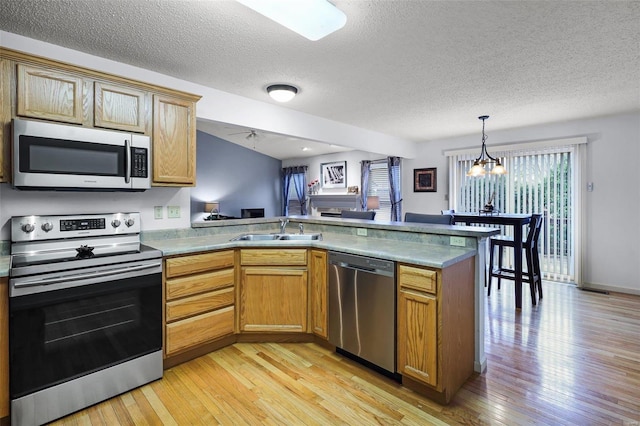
pixel 84 252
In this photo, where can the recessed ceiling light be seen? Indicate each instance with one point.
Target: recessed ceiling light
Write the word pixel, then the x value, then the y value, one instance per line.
pixel 312 19
pixel 282 92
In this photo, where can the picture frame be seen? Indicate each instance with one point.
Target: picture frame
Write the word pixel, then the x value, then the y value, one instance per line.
pixel 333 175
pixel 425 180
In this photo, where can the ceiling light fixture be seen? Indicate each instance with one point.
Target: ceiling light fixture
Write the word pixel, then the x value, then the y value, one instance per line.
pixel 312 19
pixel 478 165
pixel 282 92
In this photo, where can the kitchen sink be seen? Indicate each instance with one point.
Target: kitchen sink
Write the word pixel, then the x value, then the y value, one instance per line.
pixel 300 237
pixel 278 237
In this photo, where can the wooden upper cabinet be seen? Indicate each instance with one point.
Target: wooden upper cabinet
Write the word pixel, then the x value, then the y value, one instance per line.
pixel 174 141
pixel 120 108
pixel 5 121
pixel 49 95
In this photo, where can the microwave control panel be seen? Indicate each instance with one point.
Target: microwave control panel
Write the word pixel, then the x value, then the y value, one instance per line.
pixel 139 161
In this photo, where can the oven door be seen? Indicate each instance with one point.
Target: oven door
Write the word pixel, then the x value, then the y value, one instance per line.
pixel 88 321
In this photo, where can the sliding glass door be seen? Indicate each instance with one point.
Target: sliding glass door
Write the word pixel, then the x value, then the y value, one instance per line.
pixel 539 180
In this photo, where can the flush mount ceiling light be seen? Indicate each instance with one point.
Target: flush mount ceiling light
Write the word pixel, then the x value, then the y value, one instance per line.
pixel 312 19
pixel 282 92
pixel 478 164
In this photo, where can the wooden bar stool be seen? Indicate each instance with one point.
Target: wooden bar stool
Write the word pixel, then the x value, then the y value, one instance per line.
pixel 532 275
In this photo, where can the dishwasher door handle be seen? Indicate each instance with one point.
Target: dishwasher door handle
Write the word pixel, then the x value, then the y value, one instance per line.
pixel 357 268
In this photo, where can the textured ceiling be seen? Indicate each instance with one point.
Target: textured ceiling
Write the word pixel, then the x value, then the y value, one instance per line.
pixel 417 70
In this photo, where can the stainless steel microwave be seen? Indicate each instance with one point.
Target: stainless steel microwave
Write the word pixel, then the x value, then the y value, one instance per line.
pixel 51 156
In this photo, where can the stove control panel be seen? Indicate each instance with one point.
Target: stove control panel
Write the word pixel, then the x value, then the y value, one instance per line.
pixel 35 228
pixel 81 224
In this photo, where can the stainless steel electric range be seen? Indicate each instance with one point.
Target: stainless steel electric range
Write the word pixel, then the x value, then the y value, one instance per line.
pixel 85 306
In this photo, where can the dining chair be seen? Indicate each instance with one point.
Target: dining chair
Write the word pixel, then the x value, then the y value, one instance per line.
pixel 441 219
pixel 353 214
pixel 532 275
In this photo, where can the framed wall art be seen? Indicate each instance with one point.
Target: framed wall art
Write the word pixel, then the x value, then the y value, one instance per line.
pixel 334 175
pixel 425 180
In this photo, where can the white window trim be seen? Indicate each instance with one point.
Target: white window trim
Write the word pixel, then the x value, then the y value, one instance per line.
pixel 522 146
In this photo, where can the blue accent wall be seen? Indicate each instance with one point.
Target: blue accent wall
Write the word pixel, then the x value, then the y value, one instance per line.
pixel 235 176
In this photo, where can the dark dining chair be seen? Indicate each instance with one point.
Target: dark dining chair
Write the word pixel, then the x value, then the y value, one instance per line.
pixel 353 214
pixel 532 275
pixel 438 219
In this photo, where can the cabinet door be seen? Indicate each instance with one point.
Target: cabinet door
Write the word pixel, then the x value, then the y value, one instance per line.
pixel 49 95
pixel 120 108
pixel 5 120
pixel 174 142
pixel 318 289
pixel 273 299
pixel 417 336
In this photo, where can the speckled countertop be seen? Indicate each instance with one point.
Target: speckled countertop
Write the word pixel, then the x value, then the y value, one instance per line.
pixel 436 256
pixel 4 265
pixel 410 243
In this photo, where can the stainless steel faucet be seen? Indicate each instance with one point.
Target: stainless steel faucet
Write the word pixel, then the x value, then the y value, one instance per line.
pixel 283 225
pixel 301 228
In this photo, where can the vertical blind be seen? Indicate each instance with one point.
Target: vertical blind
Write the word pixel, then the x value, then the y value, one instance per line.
pixel 538 181
pixel 379 186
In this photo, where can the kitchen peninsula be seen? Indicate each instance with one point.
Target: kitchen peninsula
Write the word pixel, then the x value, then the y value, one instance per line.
pixel 440 292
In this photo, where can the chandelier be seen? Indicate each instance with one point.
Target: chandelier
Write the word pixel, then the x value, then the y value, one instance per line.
pixel 478 164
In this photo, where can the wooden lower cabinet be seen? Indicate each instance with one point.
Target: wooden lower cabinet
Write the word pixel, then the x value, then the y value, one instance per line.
pixel 273 299
pixel 436 328
pixel 200 296
pixel 273 291
pixel 318 292
pixel 418 336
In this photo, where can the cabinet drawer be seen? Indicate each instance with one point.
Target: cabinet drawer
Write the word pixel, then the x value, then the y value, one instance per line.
pixel 198 283
pixel 417 278
pixel 273 257
pixel 198 262
pixel 198 304
pixel 200 329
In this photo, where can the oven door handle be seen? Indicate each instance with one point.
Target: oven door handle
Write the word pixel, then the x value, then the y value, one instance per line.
pixel 82 276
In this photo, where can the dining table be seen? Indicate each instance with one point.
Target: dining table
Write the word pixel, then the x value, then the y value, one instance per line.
pixel 515 220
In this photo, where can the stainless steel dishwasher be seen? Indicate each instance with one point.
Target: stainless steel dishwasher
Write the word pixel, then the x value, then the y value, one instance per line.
pixel 362 308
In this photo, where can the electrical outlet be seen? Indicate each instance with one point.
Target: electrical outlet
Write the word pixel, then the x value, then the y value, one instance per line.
pixel 361 231
pixel 457 241
pixel 173 212
pixel 157 212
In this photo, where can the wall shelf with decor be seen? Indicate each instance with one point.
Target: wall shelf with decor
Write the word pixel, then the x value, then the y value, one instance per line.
pixel 334 202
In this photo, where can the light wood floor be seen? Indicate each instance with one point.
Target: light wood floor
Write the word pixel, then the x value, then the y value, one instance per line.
pixel 573 359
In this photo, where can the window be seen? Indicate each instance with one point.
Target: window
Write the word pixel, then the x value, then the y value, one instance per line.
pixel 379 186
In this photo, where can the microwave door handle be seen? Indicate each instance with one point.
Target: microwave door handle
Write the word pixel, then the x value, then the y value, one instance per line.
pixel 127 164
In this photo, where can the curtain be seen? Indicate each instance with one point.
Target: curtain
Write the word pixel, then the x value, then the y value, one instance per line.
pixel 365 170
pixel 298 174
pixel 300 183
pixel 393 165
pixel 286 179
